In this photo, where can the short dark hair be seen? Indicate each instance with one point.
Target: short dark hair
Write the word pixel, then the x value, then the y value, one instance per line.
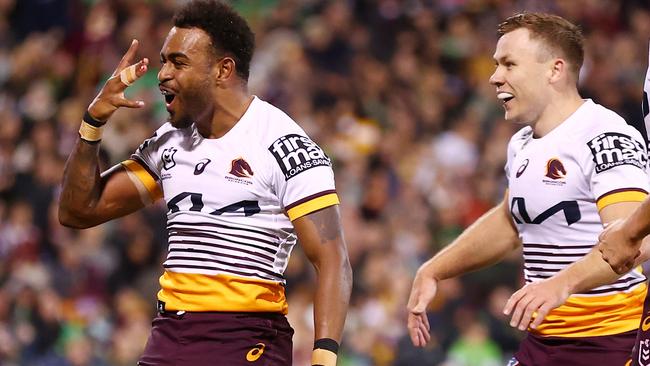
pixel 228 31
pixel 556 32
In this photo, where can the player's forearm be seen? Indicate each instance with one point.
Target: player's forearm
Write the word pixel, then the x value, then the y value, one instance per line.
pixel 485 242
pixel 587 273
pixel 332 297
pixel 81 185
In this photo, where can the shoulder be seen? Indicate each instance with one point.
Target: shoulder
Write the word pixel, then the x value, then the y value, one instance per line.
pixel 164 134
pixel 276 130
pixel 596 120
pixel 519 139
pixel 272 123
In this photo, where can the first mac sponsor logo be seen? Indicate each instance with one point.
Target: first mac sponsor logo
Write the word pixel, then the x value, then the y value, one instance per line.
pixel 295 154
pixel 612 149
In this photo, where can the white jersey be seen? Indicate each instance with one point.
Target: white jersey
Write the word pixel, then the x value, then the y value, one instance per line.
pixel 230 204
pixel 556 186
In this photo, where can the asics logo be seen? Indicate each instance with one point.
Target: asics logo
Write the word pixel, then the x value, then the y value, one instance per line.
pixel 200 167
pixel 522 168
pixel 254 354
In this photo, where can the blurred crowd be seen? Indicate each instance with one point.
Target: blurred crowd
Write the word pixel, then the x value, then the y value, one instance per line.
pixel 396 92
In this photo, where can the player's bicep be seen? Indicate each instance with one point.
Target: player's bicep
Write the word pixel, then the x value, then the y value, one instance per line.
pixel 618 210
pixel 320 234
pixel 126 188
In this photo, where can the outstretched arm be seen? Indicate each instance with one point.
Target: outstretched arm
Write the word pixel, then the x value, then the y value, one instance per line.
pixel 321 237
pixel 486 242
pixel 89 198
pixel 589 272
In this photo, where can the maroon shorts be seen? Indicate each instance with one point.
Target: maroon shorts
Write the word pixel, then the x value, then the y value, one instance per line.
pixel 218 338
pixel 612 350
pixel 641 354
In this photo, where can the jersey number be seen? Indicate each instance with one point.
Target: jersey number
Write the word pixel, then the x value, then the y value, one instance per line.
pixel 196 199
pixel 570 208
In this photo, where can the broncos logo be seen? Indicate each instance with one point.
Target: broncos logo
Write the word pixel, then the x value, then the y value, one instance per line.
pixel 555 169
pixel 240 168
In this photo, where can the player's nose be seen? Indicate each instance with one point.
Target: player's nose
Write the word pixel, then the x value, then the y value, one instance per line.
pixel 165 72
pixel 497 78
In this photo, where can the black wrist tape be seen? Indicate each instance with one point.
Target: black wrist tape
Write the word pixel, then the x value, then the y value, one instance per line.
pixel 91 121
pixel 327 344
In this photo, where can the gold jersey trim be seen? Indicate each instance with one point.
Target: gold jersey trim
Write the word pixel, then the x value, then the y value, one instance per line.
pixel 147 180
pixel 595 316
pixel 620 196
pixel 310 206
pixel 200 292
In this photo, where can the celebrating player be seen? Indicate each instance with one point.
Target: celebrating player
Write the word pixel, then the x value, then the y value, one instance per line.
pixel 242 183
pixel 623 244
pixel 575 166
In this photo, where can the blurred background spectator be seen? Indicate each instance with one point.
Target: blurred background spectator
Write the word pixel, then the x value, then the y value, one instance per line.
pixel 396 91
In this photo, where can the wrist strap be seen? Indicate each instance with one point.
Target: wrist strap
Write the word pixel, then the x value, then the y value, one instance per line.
pixel 90 133
pixel 92 121
pixel 322 357
pixel 325 352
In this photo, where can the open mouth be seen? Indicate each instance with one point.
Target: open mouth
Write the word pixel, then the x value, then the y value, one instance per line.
pixel 169 96
pixel 505 97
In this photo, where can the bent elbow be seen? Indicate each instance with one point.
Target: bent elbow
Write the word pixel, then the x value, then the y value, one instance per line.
pixel 68 219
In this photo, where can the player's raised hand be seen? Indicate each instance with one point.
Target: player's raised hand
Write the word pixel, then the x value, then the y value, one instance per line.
pixel 618 248
pixel 111 96
pixel 422 293
pixel 535 300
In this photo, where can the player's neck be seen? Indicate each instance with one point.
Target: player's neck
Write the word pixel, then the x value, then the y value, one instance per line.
pixel 556 112
pixel 229 107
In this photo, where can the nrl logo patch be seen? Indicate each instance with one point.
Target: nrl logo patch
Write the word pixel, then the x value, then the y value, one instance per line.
pixel 168 158
pixel 644 353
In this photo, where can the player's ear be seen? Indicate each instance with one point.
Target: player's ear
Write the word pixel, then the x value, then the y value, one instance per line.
pixel 225 70
pixel 558 70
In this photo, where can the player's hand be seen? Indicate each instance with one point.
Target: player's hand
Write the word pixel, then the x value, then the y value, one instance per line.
pixel 111 96
pixel 618 248
pixel 535 299
pixel 422 293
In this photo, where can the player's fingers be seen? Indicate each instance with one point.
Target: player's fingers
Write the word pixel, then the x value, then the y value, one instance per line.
pixel 130 74
pixel 419 339
pixel 528 313
pixel 542 312
pixel 425 321
pixel 414 330
pixel 518 311
pixel 424 327
pixel 423 337
pixel 513 300
pixel 127 59
pixel 427 337
pixel 123 102
pixel 419 324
